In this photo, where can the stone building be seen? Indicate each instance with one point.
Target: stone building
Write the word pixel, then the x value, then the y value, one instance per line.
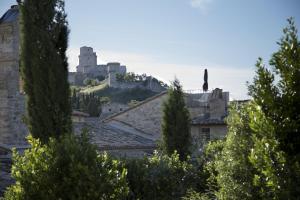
pixel 140 125
pixel 12 101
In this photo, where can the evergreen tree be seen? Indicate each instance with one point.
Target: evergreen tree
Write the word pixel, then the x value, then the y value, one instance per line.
pixel 176 123
pixel 44 67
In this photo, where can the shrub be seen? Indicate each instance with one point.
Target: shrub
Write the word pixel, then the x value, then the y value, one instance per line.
pixel 162 177
pixel 68 168
pixel 192 195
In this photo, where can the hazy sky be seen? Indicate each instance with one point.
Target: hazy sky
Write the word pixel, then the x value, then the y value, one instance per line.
pixel 168 38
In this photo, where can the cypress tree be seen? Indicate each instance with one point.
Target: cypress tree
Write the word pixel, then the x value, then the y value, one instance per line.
pixel 205 84
pixel 176 129
pixel 44 67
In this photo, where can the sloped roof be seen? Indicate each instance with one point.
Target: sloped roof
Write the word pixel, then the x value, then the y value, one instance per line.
pixel 135 106
pixel 110 136
pixel 11 15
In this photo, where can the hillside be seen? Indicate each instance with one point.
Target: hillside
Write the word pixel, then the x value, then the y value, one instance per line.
pixel 118 95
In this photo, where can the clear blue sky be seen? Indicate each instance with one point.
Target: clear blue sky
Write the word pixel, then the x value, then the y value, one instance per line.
pixel 168 38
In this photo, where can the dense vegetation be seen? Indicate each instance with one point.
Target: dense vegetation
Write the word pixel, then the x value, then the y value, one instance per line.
pixel 260 157
pixel 125 95
pixel 68 168
pixel 163 177
pixel 132 77
pixel 88 103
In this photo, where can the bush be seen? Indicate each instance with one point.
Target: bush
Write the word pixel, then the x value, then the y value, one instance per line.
pixel 192 195
pixel 68 168
pixel 162 177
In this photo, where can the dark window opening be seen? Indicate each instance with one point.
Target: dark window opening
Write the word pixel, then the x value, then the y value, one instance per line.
pixel 205 134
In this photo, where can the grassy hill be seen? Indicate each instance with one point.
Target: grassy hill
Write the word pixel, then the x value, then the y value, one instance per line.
pixel 118 95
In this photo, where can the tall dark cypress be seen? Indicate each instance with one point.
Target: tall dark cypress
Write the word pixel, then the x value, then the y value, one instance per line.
pixel 44 66
pixel 205 84
pixel 176 129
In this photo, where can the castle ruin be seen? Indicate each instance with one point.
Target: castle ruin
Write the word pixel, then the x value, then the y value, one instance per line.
pixel 88 68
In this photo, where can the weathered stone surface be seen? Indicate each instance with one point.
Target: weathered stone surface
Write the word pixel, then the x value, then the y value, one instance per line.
pixel 12 102
pixel 145 117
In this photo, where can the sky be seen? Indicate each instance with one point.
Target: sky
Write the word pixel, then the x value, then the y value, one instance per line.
pixel 180 38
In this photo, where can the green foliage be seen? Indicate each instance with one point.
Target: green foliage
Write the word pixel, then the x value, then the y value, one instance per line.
pixel 260 157
pixel 44 67
pixel 162 177
pixel 125 95
pixel 281 102
pixel 131 77
pixel 89 103
pixel 276 120
pixel 176 131
pixel 271 174
pixel 68 168
pixel 211 157
pixel 192 195
pixel 231 171
pixel 91 82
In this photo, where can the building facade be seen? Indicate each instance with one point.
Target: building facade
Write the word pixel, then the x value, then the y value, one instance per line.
pixel 12 100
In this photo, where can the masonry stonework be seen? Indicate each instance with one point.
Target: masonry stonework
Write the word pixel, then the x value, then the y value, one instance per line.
pixel 12 101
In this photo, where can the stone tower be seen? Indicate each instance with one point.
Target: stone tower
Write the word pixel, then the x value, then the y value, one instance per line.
pixel 87 59
pixel 113 70
pixel 12 101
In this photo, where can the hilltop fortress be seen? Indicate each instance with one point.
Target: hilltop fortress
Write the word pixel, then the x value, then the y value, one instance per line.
pixel 107 73
pixel 88 68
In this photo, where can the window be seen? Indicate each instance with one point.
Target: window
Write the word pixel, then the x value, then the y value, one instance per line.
pixel 109 110
pixel 121 109
pixel 205 134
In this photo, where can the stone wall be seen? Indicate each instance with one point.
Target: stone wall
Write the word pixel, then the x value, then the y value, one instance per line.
pixel 216 131
pixel 12 102
pixel 149 84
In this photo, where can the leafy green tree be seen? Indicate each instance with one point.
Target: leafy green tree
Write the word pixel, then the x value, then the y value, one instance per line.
pixel 212 155
pixel 272 176
pixel 176 131
pixel 231 170
pixel 66 168
pixel 276 91
pixel 44 37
